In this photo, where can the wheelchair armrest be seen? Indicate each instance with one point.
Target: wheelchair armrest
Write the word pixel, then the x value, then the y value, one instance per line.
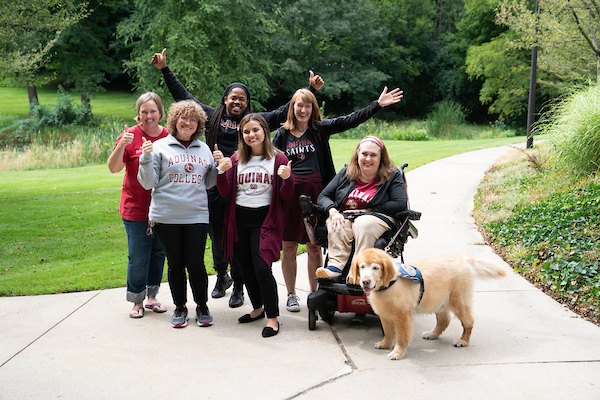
pixel 410 214
pixel 308 206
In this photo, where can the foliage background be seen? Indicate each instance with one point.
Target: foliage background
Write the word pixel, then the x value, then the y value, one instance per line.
pixel 475 53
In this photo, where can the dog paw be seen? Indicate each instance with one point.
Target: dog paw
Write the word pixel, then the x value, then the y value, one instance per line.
pixel 382 345
pixel 352 280
pixel 395 355
pixel 460 343
pixel 430 336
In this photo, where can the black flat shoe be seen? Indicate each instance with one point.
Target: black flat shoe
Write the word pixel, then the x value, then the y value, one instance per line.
pixel 247 318
pixel 268 331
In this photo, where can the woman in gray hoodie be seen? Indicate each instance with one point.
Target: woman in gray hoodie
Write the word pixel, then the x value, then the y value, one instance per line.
pixel 179 169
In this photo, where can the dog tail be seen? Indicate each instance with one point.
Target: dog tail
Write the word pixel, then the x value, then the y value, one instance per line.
pixel 487 269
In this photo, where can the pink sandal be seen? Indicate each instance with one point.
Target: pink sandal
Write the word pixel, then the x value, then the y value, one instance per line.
pixel 139 312
pixel 156 307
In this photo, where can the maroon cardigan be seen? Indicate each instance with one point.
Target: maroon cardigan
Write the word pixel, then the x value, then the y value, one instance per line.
pixel 271 232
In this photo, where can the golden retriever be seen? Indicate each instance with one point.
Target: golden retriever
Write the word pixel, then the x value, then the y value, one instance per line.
pixel 448 283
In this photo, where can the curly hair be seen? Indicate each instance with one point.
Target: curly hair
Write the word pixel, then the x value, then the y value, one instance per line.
pixel 386 166
pixel 244 151
pixel 192 110
pixel 145 98
pixel 308 97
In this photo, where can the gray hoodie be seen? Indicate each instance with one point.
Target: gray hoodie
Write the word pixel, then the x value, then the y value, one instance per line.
pixel 178 177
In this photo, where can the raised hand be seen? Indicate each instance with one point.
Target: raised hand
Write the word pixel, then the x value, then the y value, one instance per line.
pixel 225 164
pixel 284 171
pixel 159 60
pixel 217 154
pixel 127 137
pixel 393 97
pixel 147 145
pixel 315 81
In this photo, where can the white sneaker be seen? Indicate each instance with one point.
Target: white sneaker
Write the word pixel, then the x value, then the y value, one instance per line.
pixel 292 303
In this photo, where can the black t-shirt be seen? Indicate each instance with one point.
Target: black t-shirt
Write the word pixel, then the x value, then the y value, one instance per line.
pixel 228 135
pixel 302 152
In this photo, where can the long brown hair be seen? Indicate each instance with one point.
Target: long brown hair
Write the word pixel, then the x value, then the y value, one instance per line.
pixel 244 151
pixel 386 166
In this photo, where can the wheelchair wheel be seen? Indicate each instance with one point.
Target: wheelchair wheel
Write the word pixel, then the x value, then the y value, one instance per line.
pixel 312 319
pixel 326 313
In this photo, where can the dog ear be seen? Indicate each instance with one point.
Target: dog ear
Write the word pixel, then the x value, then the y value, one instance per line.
pixel 354 276
pixel 388 272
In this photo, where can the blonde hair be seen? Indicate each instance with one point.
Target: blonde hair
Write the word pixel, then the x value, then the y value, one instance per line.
pixel 244 151
pixel 145 98
pixel 192 110
pixel 307 96
pixel 386 166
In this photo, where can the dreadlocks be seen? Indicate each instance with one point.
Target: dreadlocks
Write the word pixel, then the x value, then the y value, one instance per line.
pixel 212 129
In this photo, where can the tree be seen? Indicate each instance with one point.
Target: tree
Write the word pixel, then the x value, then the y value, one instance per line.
pixel 29 30
pixel 84 54
pixel 209 45
pixel 340 40
pixel 567 34
pixel 475 27
pixel 505 73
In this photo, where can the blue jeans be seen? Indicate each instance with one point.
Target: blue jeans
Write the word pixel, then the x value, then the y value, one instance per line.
pixel 146 262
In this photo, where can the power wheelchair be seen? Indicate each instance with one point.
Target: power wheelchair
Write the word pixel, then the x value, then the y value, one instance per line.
pixel 335 294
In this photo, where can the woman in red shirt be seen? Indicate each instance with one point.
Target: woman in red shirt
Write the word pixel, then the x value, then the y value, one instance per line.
pixel 146 255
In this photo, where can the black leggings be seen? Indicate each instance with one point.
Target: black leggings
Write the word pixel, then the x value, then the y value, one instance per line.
pixel 184 246
pixel 258 277
pixel 217 206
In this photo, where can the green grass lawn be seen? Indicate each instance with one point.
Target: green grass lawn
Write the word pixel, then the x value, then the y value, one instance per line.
pixel 116 104
pixel 417 153
pixel 61 230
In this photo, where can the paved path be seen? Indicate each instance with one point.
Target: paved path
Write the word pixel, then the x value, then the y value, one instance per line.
pixel 524 344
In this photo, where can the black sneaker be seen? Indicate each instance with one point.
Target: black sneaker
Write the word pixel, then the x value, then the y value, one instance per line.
pixel 237 296
pixel 223 283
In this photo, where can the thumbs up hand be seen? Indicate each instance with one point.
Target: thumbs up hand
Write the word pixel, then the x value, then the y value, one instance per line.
pixel 217 154
pixel 284 171
pixel 147 145
pixel 127 137
pixel 225 164
pixel 159 60
pixel 315 80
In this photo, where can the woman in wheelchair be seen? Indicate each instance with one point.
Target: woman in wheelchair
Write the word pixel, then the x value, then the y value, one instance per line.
pixel 360 201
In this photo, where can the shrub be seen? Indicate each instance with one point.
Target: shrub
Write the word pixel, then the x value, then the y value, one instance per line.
pixel 573 126
pixel 444 120
pixel 387 131
pixel 63 113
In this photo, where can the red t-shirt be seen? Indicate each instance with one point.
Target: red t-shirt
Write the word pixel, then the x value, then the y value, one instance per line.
pixel 359 197
pixel 135 200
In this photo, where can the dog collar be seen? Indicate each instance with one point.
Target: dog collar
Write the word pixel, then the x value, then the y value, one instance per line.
pixel 407 272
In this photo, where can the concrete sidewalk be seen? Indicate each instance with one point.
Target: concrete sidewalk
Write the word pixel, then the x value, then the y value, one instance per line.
pixel 524 344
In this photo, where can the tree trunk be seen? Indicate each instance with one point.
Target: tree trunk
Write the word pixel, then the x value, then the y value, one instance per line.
pixel 33 97
pixel 85 98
